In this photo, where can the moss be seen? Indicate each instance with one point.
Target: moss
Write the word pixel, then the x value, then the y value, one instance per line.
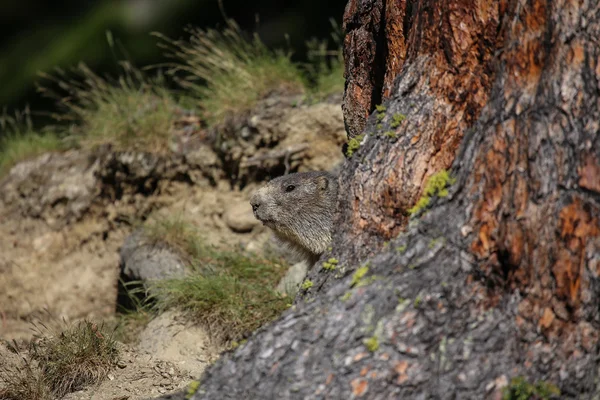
pixel 192 389
pixel 379 126
pixel 390 134
pixel 346 296
pixel 401 249
pixel 437 185
pixel 358 275
pixel 397 120
pixel 354 145
pixel 380 117
pixel 521 389
pixel 307 284
pixel 380 108
pixel 418 301
pixel 434 242
pixel 330 265
pixel 372 343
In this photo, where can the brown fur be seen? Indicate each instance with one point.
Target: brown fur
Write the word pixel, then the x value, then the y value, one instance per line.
pixel 299 208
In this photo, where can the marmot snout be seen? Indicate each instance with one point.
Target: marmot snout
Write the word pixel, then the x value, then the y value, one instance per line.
pixel 299 208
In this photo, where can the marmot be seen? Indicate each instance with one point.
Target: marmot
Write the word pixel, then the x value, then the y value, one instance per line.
pixel 299 208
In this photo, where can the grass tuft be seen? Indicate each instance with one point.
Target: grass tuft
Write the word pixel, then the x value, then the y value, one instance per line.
pixel 59 362
pixel 23 382
pixel 229 73
pixel 80 355
pixel 232 293
pixel 19 142
pixel 132 112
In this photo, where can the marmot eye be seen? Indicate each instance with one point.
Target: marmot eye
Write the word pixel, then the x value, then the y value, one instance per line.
pixel 289 188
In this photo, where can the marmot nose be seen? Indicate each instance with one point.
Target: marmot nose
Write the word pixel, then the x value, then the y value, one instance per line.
pixel 255 206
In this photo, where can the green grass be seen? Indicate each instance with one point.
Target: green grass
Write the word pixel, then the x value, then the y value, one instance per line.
pixel 231 292
pixel 19 142
pixel 58 362
pixel 228 73
pixel 132 112
pixel 326 67
pixel 133 318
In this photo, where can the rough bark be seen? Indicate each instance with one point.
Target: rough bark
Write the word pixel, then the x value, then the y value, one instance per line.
pixel 499 278
pixel 444 51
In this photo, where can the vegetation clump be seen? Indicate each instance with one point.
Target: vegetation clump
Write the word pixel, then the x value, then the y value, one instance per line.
pixel 231 292
pixel 390 134
pixel 437 185
pixel 354 145
pixel 521 389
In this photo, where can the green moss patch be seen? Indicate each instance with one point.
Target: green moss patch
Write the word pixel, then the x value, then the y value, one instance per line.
pixel 437 185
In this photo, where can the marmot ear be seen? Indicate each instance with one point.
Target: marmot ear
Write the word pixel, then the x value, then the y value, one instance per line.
pixel 322 183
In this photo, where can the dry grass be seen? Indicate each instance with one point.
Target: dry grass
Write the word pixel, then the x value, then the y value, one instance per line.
pixel 24 381
pixel 60 362
pixel 132 112
pixel 229 73
pixel 232 293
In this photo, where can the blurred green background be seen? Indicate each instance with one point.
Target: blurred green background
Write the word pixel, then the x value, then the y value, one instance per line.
pixel 38 36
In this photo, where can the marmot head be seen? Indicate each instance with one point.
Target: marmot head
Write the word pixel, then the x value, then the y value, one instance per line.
pixel 299 208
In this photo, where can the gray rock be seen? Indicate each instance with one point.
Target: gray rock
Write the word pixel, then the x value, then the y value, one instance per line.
pixel 290 283
pixel 145 261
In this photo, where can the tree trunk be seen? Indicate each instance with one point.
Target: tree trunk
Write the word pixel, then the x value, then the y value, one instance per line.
pixel 499 275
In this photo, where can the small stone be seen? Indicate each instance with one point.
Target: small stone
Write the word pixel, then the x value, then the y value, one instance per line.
pixel 239 217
